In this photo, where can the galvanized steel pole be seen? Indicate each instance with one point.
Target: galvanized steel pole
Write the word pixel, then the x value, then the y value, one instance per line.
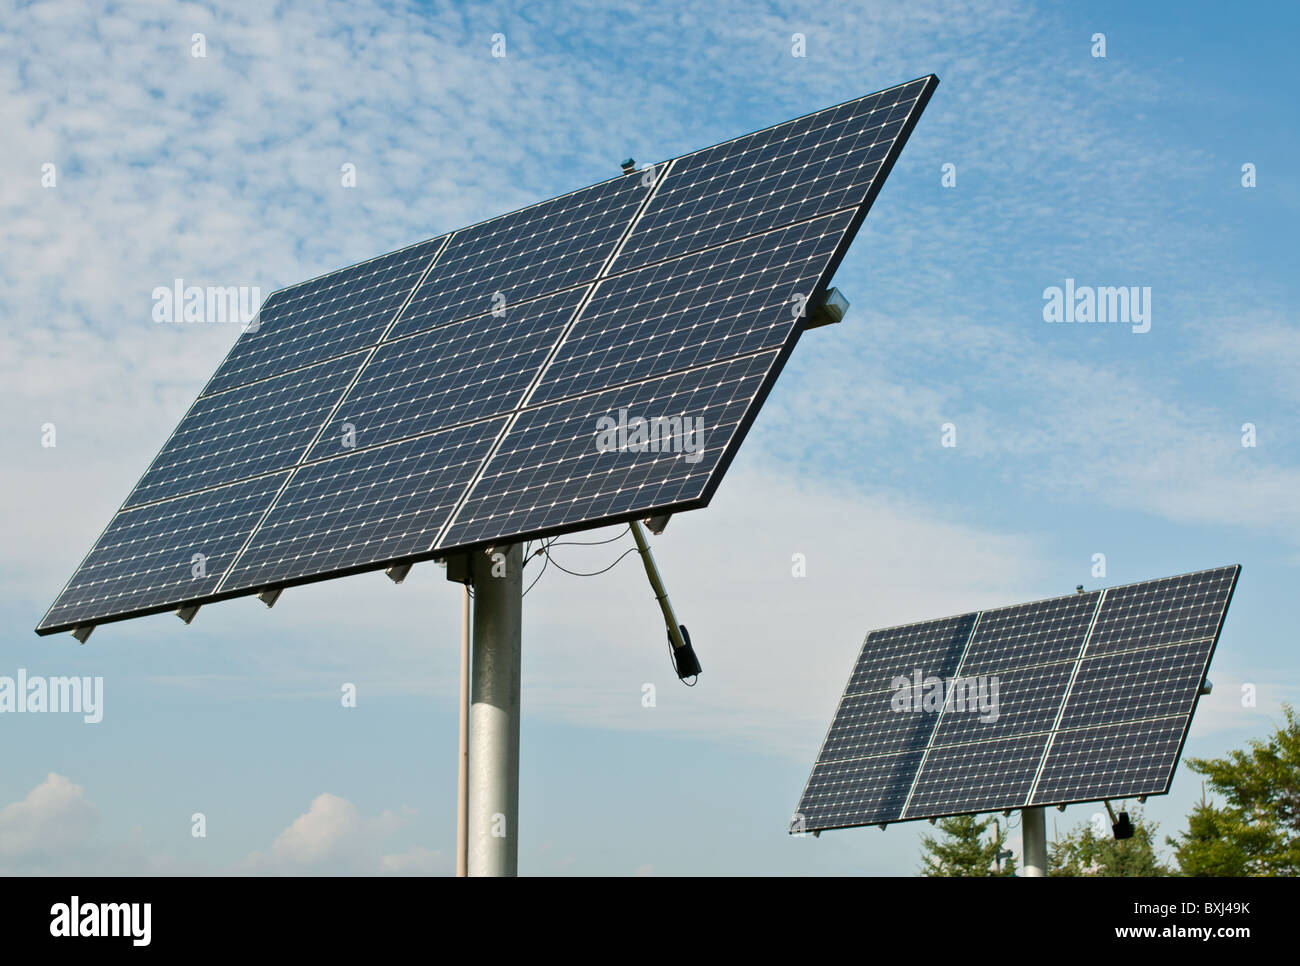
pixel 1033 837
pixel 494 714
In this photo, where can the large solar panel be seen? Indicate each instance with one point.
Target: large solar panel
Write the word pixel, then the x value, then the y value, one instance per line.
pixel 1065 700
pixel 451 394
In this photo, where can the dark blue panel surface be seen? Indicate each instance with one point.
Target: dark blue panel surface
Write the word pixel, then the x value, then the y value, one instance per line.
pixel 857 792
pixel 1080 670
pixel 694 310
pixel 977 777
pixel 465 371
pixel 1150 683
pixel 1027 634
pixel 551 246
pixel 549 471
pixel 1163 611
pixel 147 557
pixel 1003 704
pixel 933 647
pixel 807 167
pixel 247 431
pixel 1116 761
pixel 326 317
pixel 704 337
pixel 350 511
pixel 874 724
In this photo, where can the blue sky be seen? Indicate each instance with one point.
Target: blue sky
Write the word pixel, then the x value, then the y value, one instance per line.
pixel 1071 440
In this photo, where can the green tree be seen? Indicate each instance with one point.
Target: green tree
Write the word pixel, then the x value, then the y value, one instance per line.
pixel 1085 853
pixel 964 851
pixel 1256 831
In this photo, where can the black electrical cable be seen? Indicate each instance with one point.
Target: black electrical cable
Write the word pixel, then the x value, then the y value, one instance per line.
pixel 592 543
pixel 546 560
pixel 595 573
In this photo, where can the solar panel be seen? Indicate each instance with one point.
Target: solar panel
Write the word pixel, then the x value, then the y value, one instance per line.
pixel 1064 700
pixel 452 394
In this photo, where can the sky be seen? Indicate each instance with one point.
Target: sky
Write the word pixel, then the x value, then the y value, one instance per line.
pixel 1071 440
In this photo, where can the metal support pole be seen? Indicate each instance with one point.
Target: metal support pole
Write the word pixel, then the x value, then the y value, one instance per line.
pixel 494 715
pixel 462 772
pixel 1033 837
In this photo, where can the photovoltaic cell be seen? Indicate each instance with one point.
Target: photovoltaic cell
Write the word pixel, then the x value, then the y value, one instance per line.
pixel 810 166
pixel 1028 634
pixel 468 370
pixel 549 471
pixel 867 725
pixel 326 317
pixel 935 647
pixel 1150 683
pixel 165 554
pixel 550 246
pixel 388 502
pixel 976 777
pixel 1115 761
pixel 1026 701
pixel 1095 693
pixel 695 310
pixel 857 792
pixel 1163 611
pixel 247 431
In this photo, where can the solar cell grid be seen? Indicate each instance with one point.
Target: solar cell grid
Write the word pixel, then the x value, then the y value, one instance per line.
pixel 1073 722
pixel 781 175
pixel 976 777
pixel 464 371
pixel 1135 758
pixel 548 471
pixel 692 311
pixel 1149 683
pixel 1004 704
pixel 867 724
pixel 545 248
pixel 1163 611
pixel 1027 634
pixel 389 501
pixel 167 553
pixel 325 317
pixel 933 646
pixel 857 792
pixel 247 431
pixel 710 332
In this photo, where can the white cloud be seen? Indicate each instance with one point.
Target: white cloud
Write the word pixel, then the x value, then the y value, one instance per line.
pixel 56 830
pixel 47 829
pixel 332 838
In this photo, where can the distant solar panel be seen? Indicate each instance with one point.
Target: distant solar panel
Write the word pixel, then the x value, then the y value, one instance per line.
pixel 1071 699
pixel 449 394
